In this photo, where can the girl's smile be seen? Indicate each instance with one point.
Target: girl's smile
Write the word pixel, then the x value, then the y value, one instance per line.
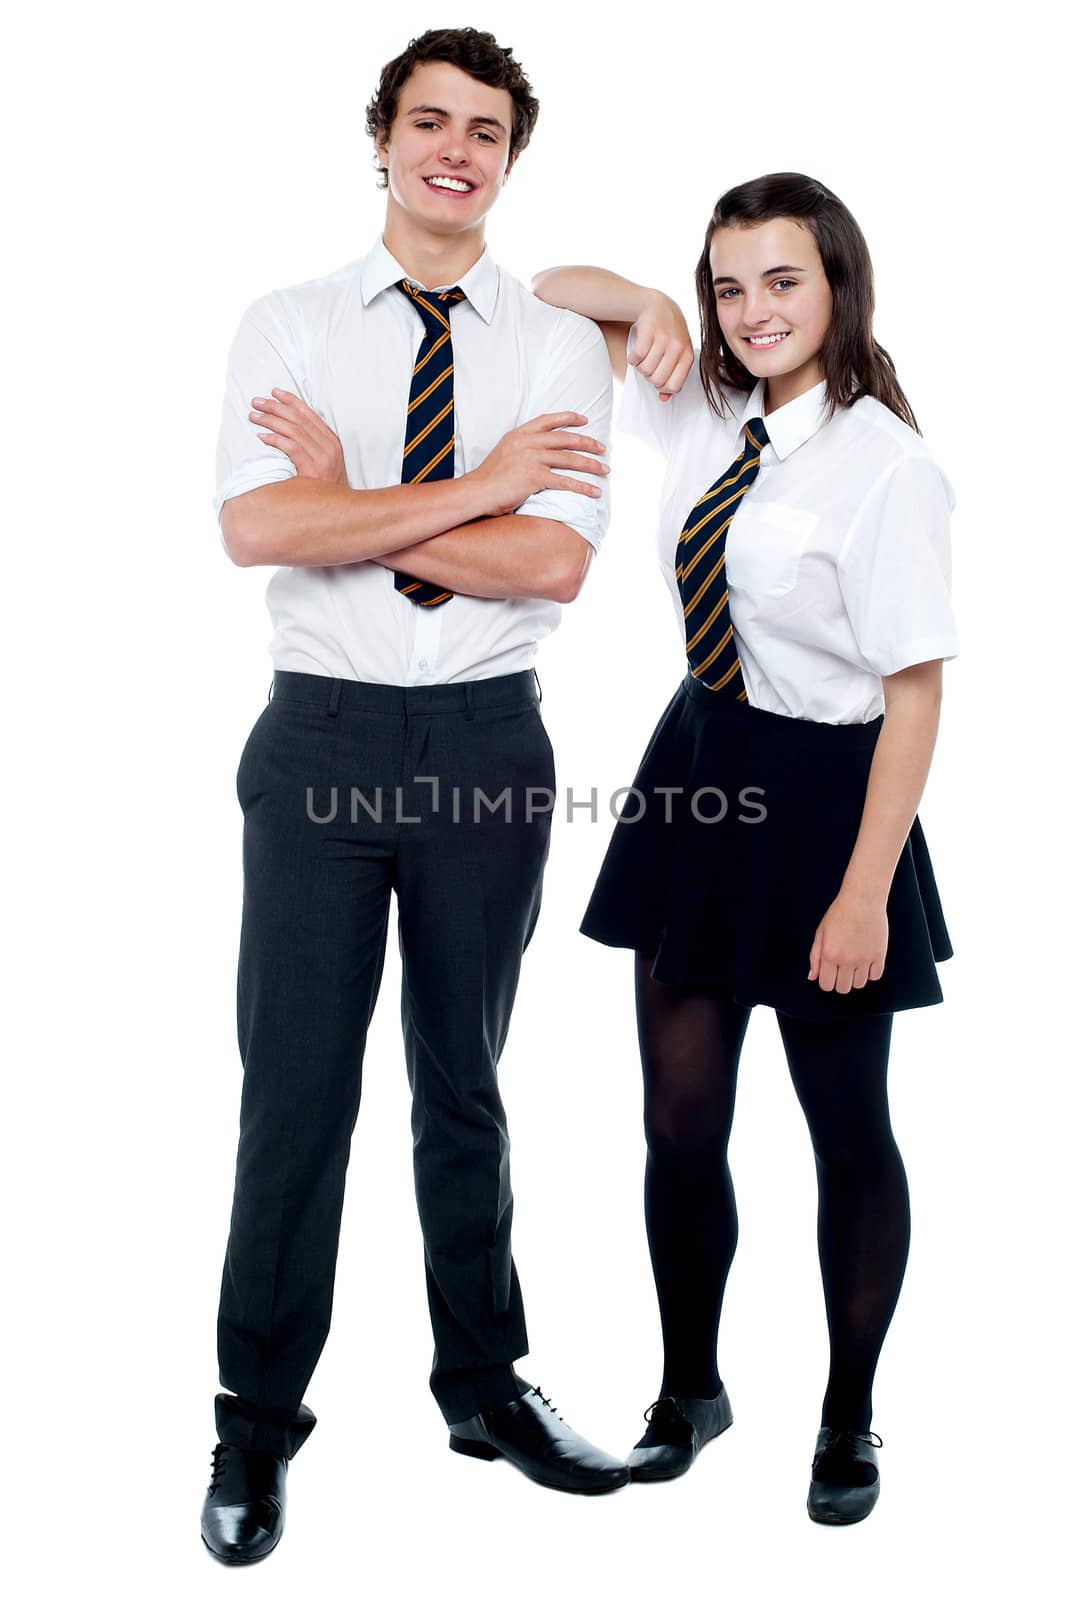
pixel 762 273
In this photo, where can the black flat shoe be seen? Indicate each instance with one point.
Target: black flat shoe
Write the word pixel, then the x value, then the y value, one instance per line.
pixel 243 1514
pixel 845 1479
pixel 529 1433
pixel 679 1427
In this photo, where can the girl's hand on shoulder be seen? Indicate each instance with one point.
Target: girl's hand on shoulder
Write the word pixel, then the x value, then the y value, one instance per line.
pixel 662 349
pixel 850 944
pixel 302 435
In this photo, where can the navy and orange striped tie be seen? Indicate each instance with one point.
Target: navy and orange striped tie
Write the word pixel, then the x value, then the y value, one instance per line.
pixel 429 444
pixel 711 646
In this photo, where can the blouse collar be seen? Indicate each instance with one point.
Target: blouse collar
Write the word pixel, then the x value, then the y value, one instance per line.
pixel 790 425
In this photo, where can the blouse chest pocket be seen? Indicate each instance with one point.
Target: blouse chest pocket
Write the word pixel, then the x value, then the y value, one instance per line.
pixel 765 545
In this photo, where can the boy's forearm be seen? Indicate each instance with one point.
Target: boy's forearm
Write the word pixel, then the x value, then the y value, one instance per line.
pixel 500 558
pixel 304 522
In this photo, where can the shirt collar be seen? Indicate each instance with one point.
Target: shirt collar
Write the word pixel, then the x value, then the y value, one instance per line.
pixel 480 284
pixel 788 426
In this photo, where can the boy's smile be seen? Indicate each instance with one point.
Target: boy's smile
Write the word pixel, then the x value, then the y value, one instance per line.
pixel 447 153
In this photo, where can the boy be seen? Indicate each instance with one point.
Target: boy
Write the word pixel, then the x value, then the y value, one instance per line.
pixel 397 439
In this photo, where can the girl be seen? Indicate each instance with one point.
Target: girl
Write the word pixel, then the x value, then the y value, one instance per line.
pixel 770 852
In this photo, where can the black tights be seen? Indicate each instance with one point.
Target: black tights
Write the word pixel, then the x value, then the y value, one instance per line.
pixel 690 1043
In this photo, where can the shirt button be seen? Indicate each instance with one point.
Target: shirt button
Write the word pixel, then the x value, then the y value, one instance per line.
pixel 423 665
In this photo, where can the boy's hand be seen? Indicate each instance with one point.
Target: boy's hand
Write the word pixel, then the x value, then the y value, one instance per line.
pixel 528 458
pixel 302 435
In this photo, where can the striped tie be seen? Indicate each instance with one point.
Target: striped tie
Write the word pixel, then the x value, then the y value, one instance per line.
pixel 429 446
pixel 701 569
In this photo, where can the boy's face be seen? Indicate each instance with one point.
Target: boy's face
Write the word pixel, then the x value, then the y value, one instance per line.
pixel 447 125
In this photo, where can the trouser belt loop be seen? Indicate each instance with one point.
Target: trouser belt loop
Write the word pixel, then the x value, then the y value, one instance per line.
pixel 334 697
pixel 539 691
pixel 469 702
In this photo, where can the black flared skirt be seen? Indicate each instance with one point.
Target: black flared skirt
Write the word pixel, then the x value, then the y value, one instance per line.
pixel 731 846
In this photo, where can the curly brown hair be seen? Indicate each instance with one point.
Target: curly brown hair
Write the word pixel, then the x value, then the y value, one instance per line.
pixel 854 364
pixel 474 52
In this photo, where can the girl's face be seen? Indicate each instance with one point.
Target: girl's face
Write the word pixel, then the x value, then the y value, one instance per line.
pixel 773 301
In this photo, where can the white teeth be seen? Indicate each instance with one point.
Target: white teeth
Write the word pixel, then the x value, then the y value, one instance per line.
pixel 767 338
pixel 450 183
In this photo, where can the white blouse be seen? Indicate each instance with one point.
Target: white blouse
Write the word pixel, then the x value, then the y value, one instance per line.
pixel 838 559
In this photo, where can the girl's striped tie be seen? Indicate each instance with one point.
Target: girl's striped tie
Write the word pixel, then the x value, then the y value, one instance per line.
pixel 711 647
pixel 429 443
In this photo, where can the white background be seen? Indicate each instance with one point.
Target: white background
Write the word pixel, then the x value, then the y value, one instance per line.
pixel 165 168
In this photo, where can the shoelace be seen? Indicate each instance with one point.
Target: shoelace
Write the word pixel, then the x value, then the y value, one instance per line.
pixel 845 1439
pixel 548 1404
pixel 218 1465
pixel 668 1421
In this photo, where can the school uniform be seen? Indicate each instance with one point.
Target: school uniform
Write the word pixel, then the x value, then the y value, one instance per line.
pixel 412 699
pixel 837 565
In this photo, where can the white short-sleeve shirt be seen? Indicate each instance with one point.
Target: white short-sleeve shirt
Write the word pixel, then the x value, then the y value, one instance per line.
pixel 346 344
pixel 838 559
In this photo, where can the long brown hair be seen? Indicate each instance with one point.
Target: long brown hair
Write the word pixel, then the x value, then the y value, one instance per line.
pixel 477 54
pixel 850 355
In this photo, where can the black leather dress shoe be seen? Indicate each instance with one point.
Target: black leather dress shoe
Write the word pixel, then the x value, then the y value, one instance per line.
pixel 678 1428
pixel 845 1479
pixel 243 1514
pixel 530 1433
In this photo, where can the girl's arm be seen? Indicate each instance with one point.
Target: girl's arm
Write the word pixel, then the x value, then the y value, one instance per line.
pixel 662 350
pixel 897 777
pixel 851 942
